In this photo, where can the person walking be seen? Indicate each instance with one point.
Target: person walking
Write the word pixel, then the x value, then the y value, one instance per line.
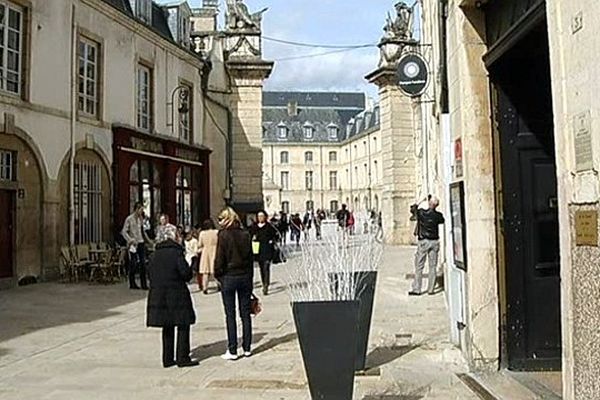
pixel 284 227
pixel 136 238
pixel 427 232
pixel 234 269
pixel 169 301
pixel 191 250
pixel 296 227
pixel 207 245
pixel 266 235
pixel 307 223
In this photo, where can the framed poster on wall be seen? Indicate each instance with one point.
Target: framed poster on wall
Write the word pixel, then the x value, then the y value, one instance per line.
pixel 459 230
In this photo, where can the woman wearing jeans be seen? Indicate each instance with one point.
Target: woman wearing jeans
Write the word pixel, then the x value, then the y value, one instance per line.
pixel 234 270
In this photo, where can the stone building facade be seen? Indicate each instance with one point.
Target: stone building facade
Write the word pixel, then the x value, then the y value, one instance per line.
pixel 104 103
pixel 512 124
pixel 320 150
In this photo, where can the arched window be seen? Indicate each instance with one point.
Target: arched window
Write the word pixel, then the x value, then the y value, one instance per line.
pixel 282 131
pixel 284 157
pixel 308 157
pixel 332 157
pixel 309 131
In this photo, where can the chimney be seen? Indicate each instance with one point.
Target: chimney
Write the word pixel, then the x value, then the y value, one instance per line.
pixel 292 108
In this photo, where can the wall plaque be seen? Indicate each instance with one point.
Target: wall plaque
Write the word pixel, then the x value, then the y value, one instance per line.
pixel 586 228
pixel 582 127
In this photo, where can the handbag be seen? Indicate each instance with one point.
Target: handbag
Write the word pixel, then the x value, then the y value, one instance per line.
pixel 255 248
pixel 255 305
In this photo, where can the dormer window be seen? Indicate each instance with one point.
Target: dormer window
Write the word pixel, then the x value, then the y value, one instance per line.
pixel 142 9
pixel 309 131
pixel 282 131
pixel 179 20
pixel 332 131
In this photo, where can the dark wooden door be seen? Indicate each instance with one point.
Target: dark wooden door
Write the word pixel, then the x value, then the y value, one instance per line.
pixel 531 243
pixel 524 118
pixel 6 233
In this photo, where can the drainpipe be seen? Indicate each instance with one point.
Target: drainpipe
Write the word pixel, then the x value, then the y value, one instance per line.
pixel 73 127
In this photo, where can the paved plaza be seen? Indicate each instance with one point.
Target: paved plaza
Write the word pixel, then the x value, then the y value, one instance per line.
pixel 80 341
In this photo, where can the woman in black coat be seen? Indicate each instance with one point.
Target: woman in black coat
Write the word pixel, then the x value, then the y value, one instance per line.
pixel 264 233
pixel 170 302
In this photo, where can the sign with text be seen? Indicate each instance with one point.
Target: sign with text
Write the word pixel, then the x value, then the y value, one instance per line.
pixel 586 228
pixel 582 127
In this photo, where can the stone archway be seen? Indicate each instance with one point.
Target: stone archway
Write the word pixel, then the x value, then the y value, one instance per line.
pixel 26 187
pixel 93 197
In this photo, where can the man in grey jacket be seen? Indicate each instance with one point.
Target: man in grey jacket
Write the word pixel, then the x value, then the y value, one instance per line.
pixel 134 235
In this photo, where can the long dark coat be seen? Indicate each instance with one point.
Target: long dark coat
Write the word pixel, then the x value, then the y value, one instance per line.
pixel 266 236
pixel 169 299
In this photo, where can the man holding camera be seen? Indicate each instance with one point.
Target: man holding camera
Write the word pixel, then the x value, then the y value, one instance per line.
pixel 427 232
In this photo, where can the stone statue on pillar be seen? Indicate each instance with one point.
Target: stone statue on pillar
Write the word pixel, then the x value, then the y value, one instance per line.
pixel 398 33
pixel 243 31
pixel 239 18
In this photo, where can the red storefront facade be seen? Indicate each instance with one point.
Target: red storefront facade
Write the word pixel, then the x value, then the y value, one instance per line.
pixel 166 175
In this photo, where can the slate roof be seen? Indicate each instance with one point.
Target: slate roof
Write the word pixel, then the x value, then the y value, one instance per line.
pixel 315 99
pixel 160 23
pixel 318 110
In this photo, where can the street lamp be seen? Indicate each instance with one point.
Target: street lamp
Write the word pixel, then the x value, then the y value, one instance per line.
pixel 183 93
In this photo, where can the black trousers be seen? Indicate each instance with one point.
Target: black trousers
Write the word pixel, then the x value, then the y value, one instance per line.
pixel 241 286
pixel 137 262
pixel 183 344
pixel 265 273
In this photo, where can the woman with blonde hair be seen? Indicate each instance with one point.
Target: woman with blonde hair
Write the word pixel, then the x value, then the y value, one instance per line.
pixel 234 268
pixel 207 246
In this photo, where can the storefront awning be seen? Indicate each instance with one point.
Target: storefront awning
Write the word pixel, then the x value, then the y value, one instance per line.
pixel 161 156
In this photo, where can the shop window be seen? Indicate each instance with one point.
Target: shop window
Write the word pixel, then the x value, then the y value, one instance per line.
pixel 144 187
pixel 88 202
pixel 11 47
pixel 7 165
pixel 187 197
pixel 88 76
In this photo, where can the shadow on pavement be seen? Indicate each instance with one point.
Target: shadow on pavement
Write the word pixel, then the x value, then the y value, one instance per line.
pixel 381 356
pixel 216 349
pixel 272 343
pixel 42 306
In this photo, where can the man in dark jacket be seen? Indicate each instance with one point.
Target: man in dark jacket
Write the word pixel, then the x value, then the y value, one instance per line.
pixel 427 232
pixel 170 302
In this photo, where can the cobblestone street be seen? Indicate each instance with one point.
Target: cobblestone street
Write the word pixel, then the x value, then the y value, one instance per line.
pixel 90 342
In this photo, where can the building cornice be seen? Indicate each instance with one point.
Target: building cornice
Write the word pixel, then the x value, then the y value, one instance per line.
pixel 144 31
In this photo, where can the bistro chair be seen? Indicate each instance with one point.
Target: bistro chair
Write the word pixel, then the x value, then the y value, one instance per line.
pixel 120 261
pixel 103 269
pixel 66 265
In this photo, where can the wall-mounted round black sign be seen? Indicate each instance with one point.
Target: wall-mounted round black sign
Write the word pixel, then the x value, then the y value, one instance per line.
pixel 413 74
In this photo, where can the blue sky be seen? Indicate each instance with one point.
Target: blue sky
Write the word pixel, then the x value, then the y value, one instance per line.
pixel 338 22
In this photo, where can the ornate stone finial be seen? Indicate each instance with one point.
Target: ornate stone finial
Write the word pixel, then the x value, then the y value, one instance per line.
pixel 398 32
pixel 238 18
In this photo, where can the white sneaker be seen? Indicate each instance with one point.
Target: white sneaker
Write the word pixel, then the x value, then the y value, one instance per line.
pixel 247 354
pixel 229 357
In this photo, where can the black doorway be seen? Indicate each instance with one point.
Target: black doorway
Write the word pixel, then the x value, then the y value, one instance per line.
pixel 522 109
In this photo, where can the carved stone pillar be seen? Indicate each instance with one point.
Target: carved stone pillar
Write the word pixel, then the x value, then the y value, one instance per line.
pixel 248 72
pixel 397 128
